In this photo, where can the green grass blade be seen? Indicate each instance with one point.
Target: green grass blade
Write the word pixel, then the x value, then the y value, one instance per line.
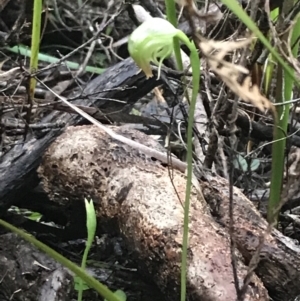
pixel 284 92
pixel 23 50
pixel 35 42
pixel 91 281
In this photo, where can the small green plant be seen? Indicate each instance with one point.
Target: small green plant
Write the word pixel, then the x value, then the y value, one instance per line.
pixel 91 225
pixel 153 41
pixel 88 279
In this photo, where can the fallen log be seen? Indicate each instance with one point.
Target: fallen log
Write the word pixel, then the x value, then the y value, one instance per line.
pixel 279 259
pixel 136 191
pixel 123 81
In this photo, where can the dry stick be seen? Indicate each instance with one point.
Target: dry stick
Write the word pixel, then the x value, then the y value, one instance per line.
pixel 81 69
pixel 175 163
pixel 178 164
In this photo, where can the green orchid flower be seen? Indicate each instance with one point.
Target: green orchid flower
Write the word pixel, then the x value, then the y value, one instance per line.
pixel 152 42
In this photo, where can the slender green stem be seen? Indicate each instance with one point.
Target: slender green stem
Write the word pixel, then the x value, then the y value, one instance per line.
pixel 284 92
pixel 172 18
pixel 91 225
pixel 195 62
pixel 171 15
pixel 154 42
pixel 83 265
pixel 278 148
pixel 35 42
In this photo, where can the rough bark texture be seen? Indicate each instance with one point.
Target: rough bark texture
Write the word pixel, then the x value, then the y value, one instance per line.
pixel 137 192
pixel 279 265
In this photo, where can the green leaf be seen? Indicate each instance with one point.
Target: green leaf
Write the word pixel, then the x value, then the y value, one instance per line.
pixel 254 164
pixel 35 216
pixel 241 163
pixel 120 294
pixel 91 221
pixel 79 284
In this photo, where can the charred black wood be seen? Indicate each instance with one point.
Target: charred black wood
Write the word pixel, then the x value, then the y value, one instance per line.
pixel 124 82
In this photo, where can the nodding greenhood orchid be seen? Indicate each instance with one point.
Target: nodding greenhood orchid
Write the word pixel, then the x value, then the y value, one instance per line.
pixel 152 41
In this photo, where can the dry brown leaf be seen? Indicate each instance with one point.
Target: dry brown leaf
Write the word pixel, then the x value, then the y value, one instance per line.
pixel 215 51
